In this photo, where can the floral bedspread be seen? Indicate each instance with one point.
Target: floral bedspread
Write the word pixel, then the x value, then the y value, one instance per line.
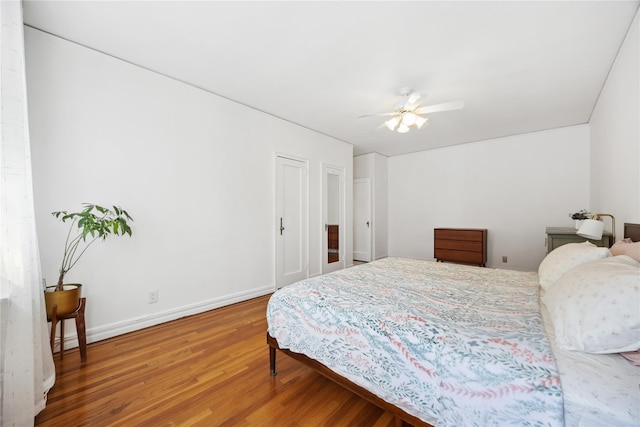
pixel 450 344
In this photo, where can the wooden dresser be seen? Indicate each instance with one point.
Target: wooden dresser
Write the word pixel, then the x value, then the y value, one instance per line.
pixel 464 245
pixel 333 243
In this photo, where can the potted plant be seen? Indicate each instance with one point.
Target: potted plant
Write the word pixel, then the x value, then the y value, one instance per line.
pixel 92 223
pixel 580 216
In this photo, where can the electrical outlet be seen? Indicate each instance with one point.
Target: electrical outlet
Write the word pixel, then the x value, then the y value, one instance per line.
pixel 504 259
pixel 152 297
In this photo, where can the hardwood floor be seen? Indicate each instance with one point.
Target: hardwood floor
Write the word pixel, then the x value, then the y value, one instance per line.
pixel 211 369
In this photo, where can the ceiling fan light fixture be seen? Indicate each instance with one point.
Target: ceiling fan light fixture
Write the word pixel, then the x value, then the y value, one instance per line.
pixel 392 123
pixel 406 112
pixel 403 128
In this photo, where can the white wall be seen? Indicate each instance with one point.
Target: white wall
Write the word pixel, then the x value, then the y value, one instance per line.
pixel 514 186
pixel 615 138
pixel 196 171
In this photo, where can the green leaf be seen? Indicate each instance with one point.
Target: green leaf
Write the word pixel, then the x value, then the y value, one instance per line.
pixel 94 220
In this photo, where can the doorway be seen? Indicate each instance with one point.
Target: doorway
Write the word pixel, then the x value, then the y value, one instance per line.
pixel 291 221
pixel 333 241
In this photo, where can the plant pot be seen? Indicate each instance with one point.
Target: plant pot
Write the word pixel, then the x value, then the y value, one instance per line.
pixel 67 300
pixel 579 223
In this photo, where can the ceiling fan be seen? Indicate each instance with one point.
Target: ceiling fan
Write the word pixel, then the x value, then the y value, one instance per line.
pixel 407 112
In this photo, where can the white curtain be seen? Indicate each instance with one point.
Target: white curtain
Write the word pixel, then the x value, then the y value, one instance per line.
pixel 26 364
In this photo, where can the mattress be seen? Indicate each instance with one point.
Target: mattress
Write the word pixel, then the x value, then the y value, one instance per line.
pixel 450 344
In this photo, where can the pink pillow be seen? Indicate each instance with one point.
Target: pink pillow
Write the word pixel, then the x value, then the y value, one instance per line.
pixel 628 248
pixel 632 356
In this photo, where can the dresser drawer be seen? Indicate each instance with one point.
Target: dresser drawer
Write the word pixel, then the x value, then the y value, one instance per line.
pixel 459 256
pixel 460 245
pixel 458 234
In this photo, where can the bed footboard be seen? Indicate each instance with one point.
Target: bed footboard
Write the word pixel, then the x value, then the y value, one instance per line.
pixel 402 418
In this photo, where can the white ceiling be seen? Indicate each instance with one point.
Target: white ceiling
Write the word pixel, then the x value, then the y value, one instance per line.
pixel 520 66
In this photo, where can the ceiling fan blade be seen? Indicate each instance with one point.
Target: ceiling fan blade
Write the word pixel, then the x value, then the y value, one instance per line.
pixel 377 115
pixel 381 126
pixel 447 106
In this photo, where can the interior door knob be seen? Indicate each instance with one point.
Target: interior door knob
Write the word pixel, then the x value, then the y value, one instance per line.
pixel 367 224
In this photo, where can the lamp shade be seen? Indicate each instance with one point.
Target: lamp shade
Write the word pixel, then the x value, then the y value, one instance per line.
pixel 392 123
pixel 591 229
pixel 420 121
pixel 402 128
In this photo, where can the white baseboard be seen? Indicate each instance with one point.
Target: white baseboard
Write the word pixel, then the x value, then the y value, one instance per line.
pixel 118 328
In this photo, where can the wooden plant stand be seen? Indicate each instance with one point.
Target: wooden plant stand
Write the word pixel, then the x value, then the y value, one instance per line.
pixel 78 315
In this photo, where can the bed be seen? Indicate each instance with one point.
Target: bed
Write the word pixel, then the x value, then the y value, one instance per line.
pixel 430 342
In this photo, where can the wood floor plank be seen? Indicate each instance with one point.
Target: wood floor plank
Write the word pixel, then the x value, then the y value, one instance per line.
pixel 210 369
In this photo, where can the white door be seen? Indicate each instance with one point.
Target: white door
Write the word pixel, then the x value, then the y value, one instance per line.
pixel 333 214
pixel 291 221
pixel 362 223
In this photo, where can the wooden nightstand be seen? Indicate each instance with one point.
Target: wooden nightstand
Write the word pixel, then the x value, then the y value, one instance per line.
pixel 558 236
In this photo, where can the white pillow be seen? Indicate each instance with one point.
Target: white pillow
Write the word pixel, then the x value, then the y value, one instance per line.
pixel 595 307
pixel 565 257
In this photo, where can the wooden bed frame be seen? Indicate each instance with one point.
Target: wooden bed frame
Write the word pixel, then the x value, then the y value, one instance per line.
pixel 402 418
pixel 632 231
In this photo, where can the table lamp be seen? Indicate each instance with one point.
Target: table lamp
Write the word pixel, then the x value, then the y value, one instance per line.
pixel 593 228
